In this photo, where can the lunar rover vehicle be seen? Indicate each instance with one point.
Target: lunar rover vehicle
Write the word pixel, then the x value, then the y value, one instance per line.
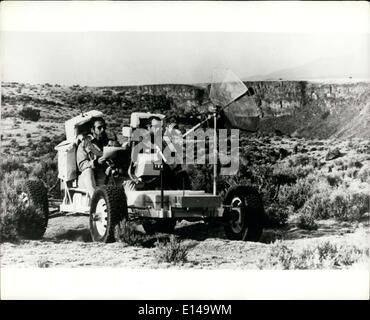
pixel 137 189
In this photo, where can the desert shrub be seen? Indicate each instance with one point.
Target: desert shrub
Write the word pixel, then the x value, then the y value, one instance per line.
pixel 327 250
pixel 365 148
pixel 353 163
pixel 11 186
pixel 26 159
pixel 20 222
pixel 270 179
pixel 43 263
pixel 334 180
pixel 324 255
pixel 29 114
pixel 306 222
pixel 296 194
pixel 128 234
pixel 277 215
pixel 47 171
pixel 300 160
pixel 31 154
pixel 261 177
pixel 45 139
pixel 364 174
pixel 173 251
pixel 349 205
pixel 318 206
pixel 58 138
pixel 348 255
pixel 46 147
pixel 325 114
pixel 8 230
pixel 11 164
pixel 340 203
pixel 352 173
pixel 17 221
pixel 278 135
pixel 285 173
pixel 280 256
pixel 332 255
pixel 340 163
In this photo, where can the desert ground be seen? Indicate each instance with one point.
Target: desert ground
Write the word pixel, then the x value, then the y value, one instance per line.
pixel 315 190
pixel 67 244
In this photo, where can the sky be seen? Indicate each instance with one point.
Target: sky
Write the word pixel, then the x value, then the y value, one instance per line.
pixel 134 58
pixel 105 43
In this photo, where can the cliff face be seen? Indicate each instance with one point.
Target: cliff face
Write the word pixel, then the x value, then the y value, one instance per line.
pixel 182 94
pixel 316 110
pixel 309 109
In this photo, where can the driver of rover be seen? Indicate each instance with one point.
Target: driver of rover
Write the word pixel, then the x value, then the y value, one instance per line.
pixel 89 155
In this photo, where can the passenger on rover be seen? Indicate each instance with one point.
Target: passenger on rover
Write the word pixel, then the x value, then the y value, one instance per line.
pixel 176 173
pixel 155 125
pixel 90 162
pixel 155 132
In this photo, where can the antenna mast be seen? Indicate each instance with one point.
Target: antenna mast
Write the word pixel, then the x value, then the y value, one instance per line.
pixel 215 152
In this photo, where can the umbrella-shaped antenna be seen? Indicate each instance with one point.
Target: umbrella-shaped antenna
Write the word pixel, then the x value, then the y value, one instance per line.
pixel 226 87
pixel 228 93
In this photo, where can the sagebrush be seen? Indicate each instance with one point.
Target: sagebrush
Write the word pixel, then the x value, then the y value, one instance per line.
pixel 325 255
pixel 18 220
pixel 173 251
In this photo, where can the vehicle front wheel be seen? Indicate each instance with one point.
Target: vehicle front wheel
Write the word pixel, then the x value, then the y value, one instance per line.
pixel 245 215
pixel 108 209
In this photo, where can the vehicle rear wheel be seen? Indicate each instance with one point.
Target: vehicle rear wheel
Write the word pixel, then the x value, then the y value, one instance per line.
pixel 35 194
pixel 108 209
pixel 246 215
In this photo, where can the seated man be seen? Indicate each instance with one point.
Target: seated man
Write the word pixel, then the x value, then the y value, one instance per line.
pixel 176 174
pixel 154 134
pixel 89 156
pixel 148 139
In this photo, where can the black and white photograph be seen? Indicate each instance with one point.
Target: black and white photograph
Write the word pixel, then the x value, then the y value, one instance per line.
pixel 187 149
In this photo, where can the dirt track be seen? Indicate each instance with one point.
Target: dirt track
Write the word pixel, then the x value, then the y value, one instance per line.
pixel 67 244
